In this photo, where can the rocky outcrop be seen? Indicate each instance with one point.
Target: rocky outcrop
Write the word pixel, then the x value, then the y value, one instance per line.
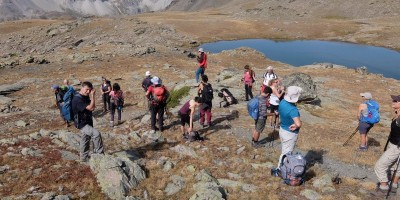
pixel 116 175
pixel 304 81
pixel 207 187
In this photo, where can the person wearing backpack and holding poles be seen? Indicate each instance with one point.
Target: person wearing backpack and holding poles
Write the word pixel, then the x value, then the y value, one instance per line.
pixel 105 93
pixel 248 79
pixel 117 103
pixel 290 121
pixel 206 93
pixel 158 94
pixel 391 155
pixel 83 105
pixel 366 118
pixel 202 63
pixel 186 113
pixel 261 120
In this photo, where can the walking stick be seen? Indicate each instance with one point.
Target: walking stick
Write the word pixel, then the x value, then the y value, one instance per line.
pixel 355 131
pixel 394 174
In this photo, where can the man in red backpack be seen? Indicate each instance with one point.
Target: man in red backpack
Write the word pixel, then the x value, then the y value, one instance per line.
pixel 158 94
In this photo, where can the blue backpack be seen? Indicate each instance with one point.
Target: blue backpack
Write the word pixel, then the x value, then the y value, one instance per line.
pixel 252 108
pixel 373 116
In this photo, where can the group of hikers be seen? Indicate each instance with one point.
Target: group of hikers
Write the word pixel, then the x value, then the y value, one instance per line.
pixel 275 106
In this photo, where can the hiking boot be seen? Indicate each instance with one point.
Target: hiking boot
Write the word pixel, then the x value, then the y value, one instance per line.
pixel 111 124
pixel 256 145
pixel 379 192
pixel 362 148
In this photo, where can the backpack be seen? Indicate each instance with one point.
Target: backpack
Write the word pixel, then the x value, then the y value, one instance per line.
pixel 252 108
pixel 160 95
pixel 207 93
pixel 373 116
pixel 292 169
pixel 193 136
pixel 118 99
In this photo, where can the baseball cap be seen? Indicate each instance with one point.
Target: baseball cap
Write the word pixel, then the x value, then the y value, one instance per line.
pixel 201 50
pixel 293 93
pixel 54 87
pixel 147 73
pixel 366 95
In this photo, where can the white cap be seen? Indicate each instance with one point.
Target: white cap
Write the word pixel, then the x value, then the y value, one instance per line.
pixel 292 94
pixel 147 73
pixel 366 95
pixel 270 68
pixel 201 50
pixel 155 80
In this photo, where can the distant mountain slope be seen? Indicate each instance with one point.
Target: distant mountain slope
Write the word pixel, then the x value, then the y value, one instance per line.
pixel 17 9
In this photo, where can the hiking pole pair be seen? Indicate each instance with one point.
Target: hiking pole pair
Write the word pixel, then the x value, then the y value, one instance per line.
pixel 351 136
pixel 393 175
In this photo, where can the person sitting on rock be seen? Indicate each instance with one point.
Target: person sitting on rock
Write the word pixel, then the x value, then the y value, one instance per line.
pixel 186 113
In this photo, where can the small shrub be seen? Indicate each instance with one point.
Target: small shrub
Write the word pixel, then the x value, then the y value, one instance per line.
pixel 227 77
pixel 176 95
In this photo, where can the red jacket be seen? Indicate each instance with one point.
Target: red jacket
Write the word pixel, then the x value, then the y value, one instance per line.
pixel 202 59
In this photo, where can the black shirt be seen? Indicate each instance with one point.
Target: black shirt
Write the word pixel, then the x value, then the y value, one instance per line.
pixel 395 132
pixel 79 104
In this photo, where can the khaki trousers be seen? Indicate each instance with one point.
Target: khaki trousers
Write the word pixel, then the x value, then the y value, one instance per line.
pixel 288 141
pixel 387 161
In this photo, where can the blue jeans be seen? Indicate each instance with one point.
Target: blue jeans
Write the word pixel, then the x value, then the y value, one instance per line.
pixel 199 71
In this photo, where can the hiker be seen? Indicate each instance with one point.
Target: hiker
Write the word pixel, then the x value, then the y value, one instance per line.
pixel 363 126
pixel 66 108
pixel 274 100
pixel 268 76
pixel 290 120
pixel 158 94
pixel 186 114
pixel 391 154
pixel 117 103
pixel 206 92
pixel 262 116
pixel 227 97
pixel 83 105
pixel 248 79
pixel 146 81
pixel 59 99
pixel 105 93
pixel 202 63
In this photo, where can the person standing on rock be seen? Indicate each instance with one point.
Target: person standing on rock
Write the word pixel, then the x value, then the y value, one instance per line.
pixel 186 113
pixel 67 98
pixel 105 93
pixel 262 116
pixel 158 94
pixel 290 120
pixel 268 76
pixel 202 63
pixel 391 154
pixel 206 92
pixel 117 103
pixel 83 105
pixel 248 79
pixel 59 99
pixel 363 126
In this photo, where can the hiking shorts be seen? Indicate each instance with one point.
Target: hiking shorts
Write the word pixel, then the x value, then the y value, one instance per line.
pixel 260 124
pixel 185 119
pixel 364 127
pixel 274 108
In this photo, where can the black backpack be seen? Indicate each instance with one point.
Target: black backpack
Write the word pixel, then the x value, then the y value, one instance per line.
pixel 207 93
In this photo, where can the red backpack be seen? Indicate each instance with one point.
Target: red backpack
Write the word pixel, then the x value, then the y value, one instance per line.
pixel 160 94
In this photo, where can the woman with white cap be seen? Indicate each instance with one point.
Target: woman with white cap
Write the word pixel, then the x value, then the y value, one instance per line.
pixel 269 75
pixel 158 94
pixel 202 64
pixel 290 120
pixel 363 125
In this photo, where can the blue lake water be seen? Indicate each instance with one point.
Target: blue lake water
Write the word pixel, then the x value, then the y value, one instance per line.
pixel 304 52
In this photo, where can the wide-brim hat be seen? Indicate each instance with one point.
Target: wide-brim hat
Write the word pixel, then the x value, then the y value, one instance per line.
pixel 147 73
pixel 292 94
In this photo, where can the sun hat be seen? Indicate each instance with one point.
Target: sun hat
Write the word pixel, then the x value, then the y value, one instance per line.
pixel 201 50
pixel 155 80
pixel 270 68
pixel 366 95
pixel 147 73
pixel 395 97
pixel 292 94
pixel 55 87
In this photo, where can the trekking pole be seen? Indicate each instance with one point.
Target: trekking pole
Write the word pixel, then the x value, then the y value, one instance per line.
pixel 355 131
pixel 394 174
